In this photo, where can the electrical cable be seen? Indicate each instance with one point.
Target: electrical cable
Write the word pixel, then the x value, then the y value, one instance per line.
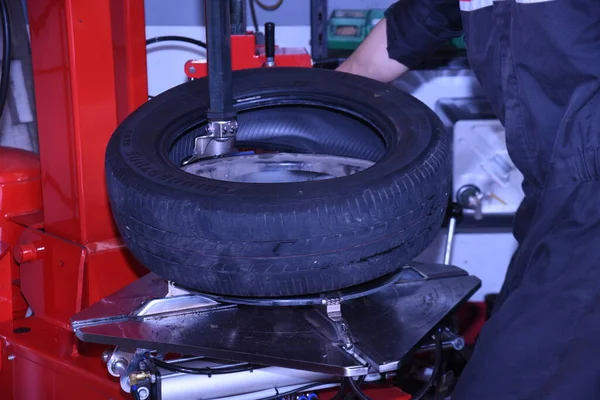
pixel 184 39
pixel 340 394
pixel 436 367
pixel 268 7
pixel 6 55
pixel 202 371
pixel 253 13
pixel 359 382
pixel 356 390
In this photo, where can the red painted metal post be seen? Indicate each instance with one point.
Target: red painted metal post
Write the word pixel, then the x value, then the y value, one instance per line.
pixel 129 46
pixel 89 72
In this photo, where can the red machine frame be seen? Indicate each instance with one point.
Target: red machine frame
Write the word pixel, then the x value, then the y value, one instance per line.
pixel 59 248
pixel 89 66
pixel 246 54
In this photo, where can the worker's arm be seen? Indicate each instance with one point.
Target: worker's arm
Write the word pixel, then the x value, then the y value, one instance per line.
pixel 371 58
pixel 410 31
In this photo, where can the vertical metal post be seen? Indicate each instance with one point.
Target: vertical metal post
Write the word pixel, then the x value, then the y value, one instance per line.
pixel 450 241
pixel 318 29
pixel 218 43
pixel 455 212
pixel 89 70
pixel 238 17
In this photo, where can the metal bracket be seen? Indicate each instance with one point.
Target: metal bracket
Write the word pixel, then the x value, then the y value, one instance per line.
pixel 218 141
pixel 381 328
pixel 318 29
pixel 333 308
pixel 117 361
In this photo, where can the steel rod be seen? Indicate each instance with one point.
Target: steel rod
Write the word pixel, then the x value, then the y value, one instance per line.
pixel 238 17
pixel 218 41
pixel 450 241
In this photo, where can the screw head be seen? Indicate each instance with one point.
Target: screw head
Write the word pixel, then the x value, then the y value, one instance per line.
pixel 143 393
pixel 119 366
pixel 458 343
pixel 106 355
pixel 192 70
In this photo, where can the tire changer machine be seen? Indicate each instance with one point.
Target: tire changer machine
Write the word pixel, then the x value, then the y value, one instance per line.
pixel 79 318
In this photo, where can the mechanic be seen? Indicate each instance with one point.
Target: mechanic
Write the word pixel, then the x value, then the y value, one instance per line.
pixel 539 64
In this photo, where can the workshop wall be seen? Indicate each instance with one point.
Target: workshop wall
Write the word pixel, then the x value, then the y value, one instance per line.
pixel 186 18
pixel 291 12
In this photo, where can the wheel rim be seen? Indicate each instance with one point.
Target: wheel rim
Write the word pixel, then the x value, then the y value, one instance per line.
pixel 277 167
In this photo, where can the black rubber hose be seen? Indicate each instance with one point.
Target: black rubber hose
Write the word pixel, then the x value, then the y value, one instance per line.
pixel 356 390
pixel 340 394
pixel 202 371
pixel 436 367
pixel 6 54
pixel 267 7
pixel 184 39
pixel 254 19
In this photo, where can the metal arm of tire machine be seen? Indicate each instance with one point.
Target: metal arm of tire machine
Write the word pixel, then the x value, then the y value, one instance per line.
pixel 221 128
pixel 222 124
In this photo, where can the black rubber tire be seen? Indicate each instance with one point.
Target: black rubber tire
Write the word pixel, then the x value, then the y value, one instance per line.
pixel 284 239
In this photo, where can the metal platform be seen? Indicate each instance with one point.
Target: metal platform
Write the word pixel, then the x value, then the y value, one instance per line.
pixel 344 336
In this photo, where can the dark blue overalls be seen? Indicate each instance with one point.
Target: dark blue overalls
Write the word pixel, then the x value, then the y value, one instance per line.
pixel 539 64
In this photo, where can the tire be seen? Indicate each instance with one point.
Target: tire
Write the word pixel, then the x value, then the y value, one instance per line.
pixel 282 239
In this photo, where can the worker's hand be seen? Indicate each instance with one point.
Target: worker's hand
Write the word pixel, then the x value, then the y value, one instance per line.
pixel 371 58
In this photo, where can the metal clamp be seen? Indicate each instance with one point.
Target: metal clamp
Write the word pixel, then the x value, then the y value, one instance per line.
pixel 334 308
pixel 219 140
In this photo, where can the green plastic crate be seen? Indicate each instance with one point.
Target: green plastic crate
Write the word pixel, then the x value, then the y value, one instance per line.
pixel 374 16
pixel 346 29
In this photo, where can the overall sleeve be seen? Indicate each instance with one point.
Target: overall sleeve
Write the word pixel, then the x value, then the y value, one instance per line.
pixel 417 28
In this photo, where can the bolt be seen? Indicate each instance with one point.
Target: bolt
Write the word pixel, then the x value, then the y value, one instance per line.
pixel 27 252
pixel 119 367
pixel 192 70
pixel 106 354
pixel 143 393
pixel 11 357
pixel 458 343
